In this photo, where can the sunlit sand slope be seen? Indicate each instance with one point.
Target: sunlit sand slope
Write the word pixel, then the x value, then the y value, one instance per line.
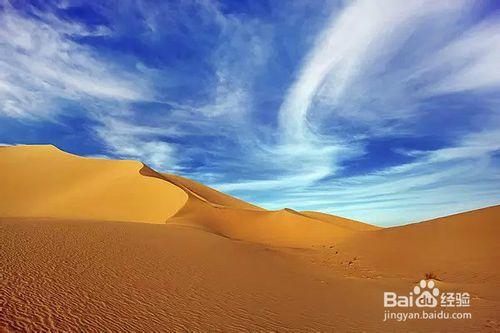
pixel 160 278
pixel 104 276
pixel 42 181
pixel 462 247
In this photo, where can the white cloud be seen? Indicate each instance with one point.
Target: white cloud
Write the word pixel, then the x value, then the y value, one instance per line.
pixel 437 183
pixel 40 64
pixel 359 40
pixel 363 32
pixel 138 142
pixel 297 178
pixel 348 68
pixel 470 61
pixel 229 99
pixel 474 145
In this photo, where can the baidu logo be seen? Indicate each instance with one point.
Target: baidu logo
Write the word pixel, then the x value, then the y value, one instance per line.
pixel 426 295
pixel 431 302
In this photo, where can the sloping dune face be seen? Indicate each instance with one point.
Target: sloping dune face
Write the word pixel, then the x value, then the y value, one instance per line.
pixel 43 181
pixel 208 194
pixel 461 247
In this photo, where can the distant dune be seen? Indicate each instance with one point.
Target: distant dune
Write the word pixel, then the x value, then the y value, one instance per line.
pixel 101 245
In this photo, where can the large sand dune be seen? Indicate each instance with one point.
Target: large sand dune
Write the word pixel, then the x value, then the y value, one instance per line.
pixel 72 260
pixel 43 181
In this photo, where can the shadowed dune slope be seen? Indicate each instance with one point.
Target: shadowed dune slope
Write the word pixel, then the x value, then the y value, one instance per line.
pixel 208 194
pixel 43 181
pixel 277 228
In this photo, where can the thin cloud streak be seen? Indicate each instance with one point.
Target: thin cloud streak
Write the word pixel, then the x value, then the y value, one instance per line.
pixel 40 64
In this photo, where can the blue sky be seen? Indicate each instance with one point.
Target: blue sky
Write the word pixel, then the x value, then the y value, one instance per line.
pixel 381 111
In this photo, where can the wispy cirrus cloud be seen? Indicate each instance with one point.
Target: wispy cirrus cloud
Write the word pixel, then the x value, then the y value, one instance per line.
pixel 450 179
pixel 470 61
pixel 129 140
pixel 359 40
pixel 360 82
pixel 41 63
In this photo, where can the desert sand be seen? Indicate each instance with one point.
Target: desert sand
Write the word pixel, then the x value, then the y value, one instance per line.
pixel 101 245
pixel 47 182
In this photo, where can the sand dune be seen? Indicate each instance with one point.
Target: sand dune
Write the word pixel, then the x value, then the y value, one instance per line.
pixel 72 259
pixel 67 186
pixel 43 181
pixel 145 277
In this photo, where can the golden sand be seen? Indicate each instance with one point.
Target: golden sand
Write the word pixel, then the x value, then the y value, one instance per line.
pixel 74 258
